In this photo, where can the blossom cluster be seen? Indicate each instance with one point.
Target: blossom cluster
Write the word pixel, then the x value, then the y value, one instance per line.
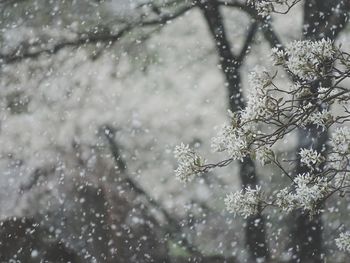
pixel 320 119
pixel 231 140
pixel 307 193
pixel 305 103
pixel 264 155
pixel 343 241
pixel 188 163
pixel 244 203
pixel 262 103
pixel 339 156
pixel 259 104
pixel 306 58
pixel 340 141
pixel 266 7
pixel 310 158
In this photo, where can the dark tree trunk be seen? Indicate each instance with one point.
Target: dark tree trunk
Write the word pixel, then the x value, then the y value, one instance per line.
pixel 230 65
pixel 255 225
pixel 322 19
pixel 307 232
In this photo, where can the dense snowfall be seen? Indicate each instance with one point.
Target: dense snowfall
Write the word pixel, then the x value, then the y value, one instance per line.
pixel 88 132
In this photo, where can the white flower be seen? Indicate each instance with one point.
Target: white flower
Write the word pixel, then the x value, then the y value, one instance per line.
pixel 309 190
pixel 264 155
pixel 320 118
pixel 182 151
pixel 231 140
pixel 307 193
pixel 265 7
pixel 259 79
pixel 245 202
pixel 310 158
pixel 258 99
pixel 340 141
pixel 304 57
pixel 343 241
pixel 338 158
pixel 189 162
pixel 327 92
pixel 278 56
pixel 256 108
pixel 285 200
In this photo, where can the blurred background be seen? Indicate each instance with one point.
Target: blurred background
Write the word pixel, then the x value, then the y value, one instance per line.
pixel 94 96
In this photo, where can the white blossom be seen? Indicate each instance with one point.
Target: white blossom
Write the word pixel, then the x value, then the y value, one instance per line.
pixel 259 79
pixel 182 152
pixel 245 202
pixel 231 140
pixel 343 241
pixel 328 92
pixel 307 193
pixel 277 56
pixel 188 163
pixel 340 141
pixel 258 99
pixel 320 118
pixel 338 157
pixel 264 155
pixel 266 7
pixel 309 190
pixel 285 200
pixel 305 57
pixel 310 158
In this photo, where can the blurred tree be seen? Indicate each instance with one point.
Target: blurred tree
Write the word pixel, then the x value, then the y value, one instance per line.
pixel 152 14
pixel 100 24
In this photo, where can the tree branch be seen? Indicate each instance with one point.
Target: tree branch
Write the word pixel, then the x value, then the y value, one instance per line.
pixel 266 27
pixel 248 41
pixel 172 226
pixel 85 39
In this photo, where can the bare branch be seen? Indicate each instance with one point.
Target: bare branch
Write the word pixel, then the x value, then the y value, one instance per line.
pixel 173 227
pixel 265 24
pixel 248 41
pixel 87 38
